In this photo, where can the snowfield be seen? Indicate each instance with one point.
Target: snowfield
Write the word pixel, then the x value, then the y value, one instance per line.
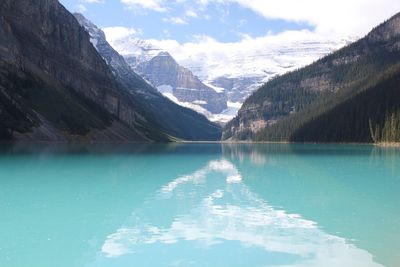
pixel 248 64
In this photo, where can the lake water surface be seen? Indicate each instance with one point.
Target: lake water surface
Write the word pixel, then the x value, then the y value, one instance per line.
pixel 199 205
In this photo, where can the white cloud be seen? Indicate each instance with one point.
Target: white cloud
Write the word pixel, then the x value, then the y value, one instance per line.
pixel 175 20
pixel 166 33
pixel 343 17
pixel 216 215
pixel 209 58
pixel 272 53
pixel 116 33
pixel 207 17
pixel 155 5
pixel 80 8
pixel 355 17
pixel 191 13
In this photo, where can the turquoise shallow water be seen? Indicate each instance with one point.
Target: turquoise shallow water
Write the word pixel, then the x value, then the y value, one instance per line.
pixel 199 205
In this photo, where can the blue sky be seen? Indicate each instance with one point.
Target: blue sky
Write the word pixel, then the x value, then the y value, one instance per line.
pixel 184 20
pixel 216 32
pixel 233 38
pixel 230 21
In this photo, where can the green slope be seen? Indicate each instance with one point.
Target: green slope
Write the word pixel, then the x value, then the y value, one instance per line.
pixel 287 104
pixel 370 115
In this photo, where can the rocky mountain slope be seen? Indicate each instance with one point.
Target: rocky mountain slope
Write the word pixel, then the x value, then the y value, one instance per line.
pixel 285 108
pixel 171 118
pixel 162 71
pixel 54 86
pixel 237 72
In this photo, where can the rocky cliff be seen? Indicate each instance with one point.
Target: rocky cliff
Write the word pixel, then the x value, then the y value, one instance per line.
pixel 238 89
pixel 162 71
pixel 167 116
pixel 44 47
pixel 54 85
pixel 159 68
pixel 119 67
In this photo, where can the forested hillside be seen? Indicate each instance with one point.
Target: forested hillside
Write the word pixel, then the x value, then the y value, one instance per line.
pixel 371 115
pixel 282 109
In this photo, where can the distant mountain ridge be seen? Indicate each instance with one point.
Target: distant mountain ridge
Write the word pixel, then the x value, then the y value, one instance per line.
pixel 308 104
pixel 241 73
pixel 159 68
pixel 163 71
pixel 236 75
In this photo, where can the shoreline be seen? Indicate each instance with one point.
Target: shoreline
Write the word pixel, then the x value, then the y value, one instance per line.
pixel 381 144
pixel 389 144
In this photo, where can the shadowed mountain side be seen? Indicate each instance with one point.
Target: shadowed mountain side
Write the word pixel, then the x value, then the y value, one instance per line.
pixel 54 86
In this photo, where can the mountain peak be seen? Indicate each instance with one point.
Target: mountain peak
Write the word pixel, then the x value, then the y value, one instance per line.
pixel 164 54
pixel 131 46
pixel 165 57
pixel 96 35
pixel 84 21
pixel 79 16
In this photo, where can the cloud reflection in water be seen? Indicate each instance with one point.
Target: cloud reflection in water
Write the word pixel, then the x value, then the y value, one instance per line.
pixel 213 208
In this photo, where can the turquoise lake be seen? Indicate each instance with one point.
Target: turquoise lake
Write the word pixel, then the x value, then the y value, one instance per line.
pixel 199 205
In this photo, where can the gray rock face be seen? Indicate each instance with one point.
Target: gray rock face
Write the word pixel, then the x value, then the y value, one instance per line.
pixel 166 115
pixel 133 82
pixel 238 89
pixel 55 86
pixel 163 70
pixel 44 39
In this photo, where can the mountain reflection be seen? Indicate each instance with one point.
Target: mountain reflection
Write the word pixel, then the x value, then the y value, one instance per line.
pixel 200 218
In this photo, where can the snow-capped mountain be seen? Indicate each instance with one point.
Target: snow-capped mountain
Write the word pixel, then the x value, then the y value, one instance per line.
pixel 240 72
pixel 235 70
pixel 174 81
pixel 136 50
pixel 169 77
pixel 269 59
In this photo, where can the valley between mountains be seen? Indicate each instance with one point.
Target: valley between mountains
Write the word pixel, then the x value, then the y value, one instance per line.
pixel 62 79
